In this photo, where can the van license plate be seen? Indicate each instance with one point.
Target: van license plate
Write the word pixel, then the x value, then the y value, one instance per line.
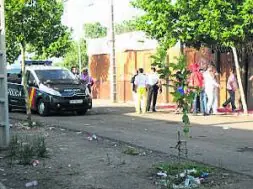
pixel 76 101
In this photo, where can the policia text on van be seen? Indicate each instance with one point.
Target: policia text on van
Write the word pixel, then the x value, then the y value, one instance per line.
pixel 50 89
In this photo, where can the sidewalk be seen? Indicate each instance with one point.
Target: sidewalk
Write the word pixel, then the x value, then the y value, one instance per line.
pixel 224 119
pixel 166 107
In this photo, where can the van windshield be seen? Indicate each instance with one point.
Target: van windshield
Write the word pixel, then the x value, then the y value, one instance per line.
pixel 54 75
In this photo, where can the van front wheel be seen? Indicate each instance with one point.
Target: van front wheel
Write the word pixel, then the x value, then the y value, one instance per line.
pixel 82 112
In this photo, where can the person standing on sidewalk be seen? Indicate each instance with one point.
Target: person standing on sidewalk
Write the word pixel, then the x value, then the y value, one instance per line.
pixel 153 88
pixel 231 88
pixel 141 82
pixel 211 89
pixel 196 81
pixel 134 87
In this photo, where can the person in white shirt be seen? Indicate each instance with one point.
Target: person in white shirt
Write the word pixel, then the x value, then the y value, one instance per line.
pixel 211 87
pixel 75 72
pixel 141 82
pixel 153 88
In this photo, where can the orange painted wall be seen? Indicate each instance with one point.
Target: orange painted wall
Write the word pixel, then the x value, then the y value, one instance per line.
pixel 128 62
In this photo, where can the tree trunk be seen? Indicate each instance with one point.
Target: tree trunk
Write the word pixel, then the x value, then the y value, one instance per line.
pixel 239 79
pixel 24 83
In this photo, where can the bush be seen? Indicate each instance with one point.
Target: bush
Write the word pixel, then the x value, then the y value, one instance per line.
pixel 25 149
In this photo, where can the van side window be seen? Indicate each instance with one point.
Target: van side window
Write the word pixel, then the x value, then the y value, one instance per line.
pixel 30 79
pixel 14 76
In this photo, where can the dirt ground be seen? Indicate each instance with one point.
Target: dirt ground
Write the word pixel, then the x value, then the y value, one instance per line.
pixel 77 163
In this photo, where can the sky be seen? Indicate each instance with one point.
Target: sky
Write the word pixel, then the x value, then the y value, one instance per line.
pixel 78 12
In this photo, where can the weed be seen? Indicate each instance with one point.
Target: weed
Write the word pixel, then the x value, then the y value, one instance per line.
pixel 131 151
pixel 25 149
pixel 25 155
pixel 13 149
pixel 40 147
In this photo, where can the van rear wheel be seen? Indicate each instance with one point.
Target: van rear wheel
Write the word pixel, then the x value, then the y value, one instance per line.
pixel 42 108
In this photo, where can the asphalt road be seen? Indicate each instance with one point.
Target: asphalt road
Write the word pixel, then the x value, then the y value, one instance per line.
pixel 215 143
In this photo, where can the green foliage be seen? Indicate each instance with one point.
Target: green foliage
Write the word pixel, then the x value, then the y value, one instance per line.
pixel 126 26
pixel 25 148
pixel 94 30
pixel 160 60
pixel 37 24
pixel 197 22
pixel 131 151
pixel 178 75
pixel 12 51
pixel 71 57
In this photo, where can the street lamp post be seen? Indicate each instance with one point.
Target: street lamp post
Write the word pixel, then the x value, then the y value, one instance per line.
pixel 79 56
pixel 112 57
pixel 79 42
pixel 4 112
pixel 113 68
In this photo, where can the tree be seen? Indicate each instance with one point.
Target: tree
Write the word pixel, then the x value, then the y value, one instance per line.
pixel 36 24
pixel 126 26
pixel 71 57
pixel 199 23
pixel 12 51
pixel 57 48
pixel 94 30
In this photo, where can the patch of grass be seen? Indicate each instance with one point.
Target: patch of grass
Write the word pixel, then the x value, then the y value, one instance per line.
pixel 13 148
pixel 25 149
pixel 40 148
pixel 131 151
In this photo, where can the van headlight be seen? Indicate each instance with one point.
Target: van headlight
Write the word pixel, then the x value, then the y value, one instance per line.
pixel 87 92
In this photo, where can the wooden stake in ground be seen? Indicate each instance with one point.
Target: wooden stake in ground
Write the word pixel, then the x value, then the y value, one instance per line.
pixel 24 83
pixel 239 79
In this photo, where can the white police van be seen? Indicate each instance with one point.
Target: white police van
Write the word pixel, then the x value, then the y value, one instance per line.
pixel 50 89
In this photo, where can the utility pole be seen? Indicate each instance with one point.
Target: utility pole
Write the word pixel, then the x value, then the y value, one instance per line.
pixel 112 57
pixel 79 57
pixel 4 112
pixel 79 40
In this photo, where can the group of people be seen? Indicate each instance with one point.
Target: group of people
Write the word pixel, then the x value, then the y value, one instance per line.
pixel 145 90
pixel 84 77
pixel 206 80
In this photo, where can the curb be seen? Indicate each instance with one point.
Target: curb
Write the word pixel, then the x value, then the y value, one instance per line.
pixel 2 186
pixel 220 110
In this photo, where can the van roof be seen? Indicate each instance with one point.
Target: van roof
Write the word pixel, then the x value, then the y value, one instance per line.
pixel 41 67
